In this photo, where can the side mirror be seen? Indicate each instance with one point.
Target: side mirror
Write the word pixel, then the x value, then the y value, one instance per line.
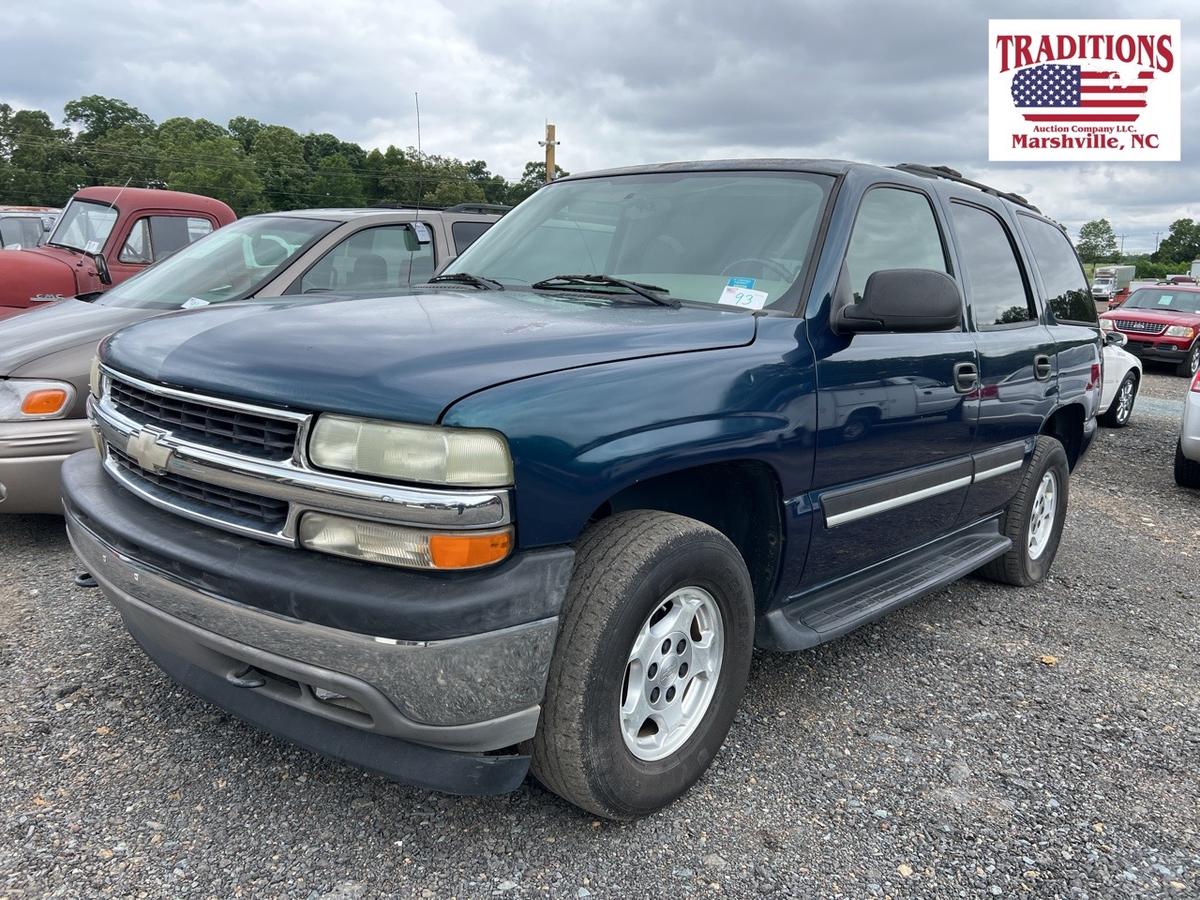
pixel 1115 338
pixel 102 268
pixel 903 300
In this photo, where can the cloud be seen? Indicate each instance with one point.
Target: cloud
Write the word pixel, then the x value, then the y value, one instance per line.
pixel 626 82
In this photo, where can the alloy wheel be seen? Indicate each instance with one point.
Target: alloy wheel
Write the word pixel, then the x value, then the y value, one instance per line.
pixel 672 673
pixel 1041 517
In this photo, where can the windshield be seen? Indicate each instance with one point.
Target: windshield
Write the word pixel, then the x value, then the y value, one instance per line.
pixel 1166 300
pixel 230 264
pixel 736 238
pixel 84 226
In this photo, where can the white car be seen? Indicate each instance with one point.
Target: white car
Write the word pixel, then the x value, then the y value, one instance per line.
pixel 1187 451
pixel 1122 375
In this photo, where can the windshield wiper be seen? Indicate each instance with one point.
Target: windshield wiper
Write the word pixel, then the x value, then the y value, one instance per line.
pixel 64 246
pixel 479 281
pixel 651 292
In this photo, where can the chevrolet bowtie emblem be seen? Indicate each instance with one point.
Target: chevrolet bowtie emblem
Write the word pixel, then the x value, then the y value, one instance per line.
pixel 149 453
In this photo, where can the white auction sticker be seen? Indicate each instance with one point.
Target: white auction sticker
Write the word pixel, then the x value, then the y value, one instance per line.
pixel 747 298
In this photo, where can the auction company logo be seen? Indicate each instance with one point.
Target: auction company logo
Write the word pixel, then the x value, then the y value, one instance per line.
pixel 1083 89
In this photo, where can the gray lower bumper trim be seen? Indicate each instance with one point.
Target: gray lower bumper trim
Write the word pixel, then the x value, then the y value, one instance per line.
pixel 474 693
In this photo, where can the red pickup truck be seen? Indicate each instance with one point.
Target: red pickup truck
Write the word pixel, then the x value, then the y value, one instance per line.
pixel 105 235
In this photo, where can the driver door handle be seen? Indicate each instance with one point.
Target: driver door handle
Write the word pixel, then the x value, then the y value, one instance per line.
pixel 966 377
pixel 1042 367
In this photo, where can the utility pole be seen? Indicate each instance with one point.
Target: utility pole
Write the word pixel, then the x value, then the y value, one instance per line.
pixel 1122 237
pixel 1156 234
pixel 549 143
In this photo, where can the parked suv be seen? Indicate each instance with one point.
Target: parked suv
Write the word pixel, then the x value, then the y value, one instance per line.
pixel 1162 324
pixel 542 517
pixel 45 352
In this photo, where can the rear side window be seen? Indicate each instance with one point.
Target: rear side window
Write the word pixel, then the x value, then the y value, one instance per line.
pixel 996 287
pixel 466 233
pixel 895 229
pixel 1066 287
pixel 156 237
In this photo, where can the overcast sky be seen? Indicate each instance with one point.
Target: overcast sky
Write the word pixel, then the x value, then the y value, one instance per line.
pixel 625 82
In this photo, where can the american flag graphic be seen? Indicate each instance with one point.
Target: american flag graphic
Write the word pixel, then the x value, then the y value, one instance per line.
pixel 1076 94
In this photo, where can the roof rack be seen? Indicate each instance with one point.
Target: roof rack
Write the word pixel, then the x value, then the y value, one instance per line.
pixel 479 208
pixel 951 175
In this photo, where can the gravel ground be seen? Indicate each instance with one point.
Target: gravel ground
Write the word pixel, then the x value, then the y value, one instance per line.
pixel 984 741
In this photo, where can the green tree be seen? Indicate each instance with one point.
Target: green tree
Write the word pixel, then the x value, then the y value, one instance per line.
pixel 1097 241
pixel 532 178
pixel 245 130
pixel 278 157
pixel 41 164
pixel 202 157
pixel 495 188
pixel 336 183
pixel 1182 243
pixel 122 155
pixel 448 193
pixel 96 116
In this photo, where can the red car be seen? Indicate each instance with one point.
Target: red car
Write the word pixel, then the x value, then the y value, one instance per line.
pixel 1162 323
pixel 105 235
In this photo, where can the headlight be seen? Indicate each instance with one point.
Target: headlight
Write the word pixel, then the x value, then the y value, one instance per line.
pixel 1182 331
pixel 22 399
pixel 419 453
pixel 1107 325
pixel 399 545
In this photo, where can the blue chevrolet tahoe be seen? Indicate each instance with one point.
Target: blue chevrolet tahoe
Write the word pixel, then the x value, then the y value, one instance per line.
pixel 538 513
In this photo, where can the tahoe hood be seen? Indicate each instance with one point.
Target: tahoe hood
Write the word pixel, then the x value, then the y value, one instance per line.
pixel 405 358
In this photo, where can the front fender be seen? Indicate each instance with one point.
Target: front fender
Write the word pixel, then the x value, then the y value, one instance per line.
pixel 582 435
pixel 29 273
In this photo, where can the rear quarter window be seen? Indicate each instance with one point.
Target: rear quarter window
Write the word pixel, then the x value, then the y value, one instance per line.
pixel 1062 274
pixel 466 233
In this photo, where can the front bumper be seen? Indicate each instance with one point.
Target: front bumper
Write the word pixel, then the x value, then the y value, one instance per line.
pixel 386 703
pixel 31 455
pixel 1156 348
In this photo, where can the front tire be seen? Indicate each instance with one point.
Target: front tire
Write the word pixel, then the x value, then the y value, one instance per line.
pixel 1034 518
pixel 1187 471
pixel 1191 365
pixel 638 574
pixel 1118 413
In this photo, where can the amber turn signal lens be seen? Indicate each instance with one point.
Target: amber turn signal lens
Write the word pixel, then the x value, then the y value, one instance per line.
pixel 45 402
pixel 468 551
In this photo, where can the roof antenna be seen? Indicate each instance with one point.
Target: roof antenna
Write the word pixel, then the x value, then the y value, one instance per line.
pixel 113 203
pixel 417 227
pixel 420 156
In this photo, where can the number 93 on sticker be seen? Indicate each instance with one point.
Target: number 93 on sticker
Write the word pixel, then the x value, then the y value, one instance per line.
pixel 745 297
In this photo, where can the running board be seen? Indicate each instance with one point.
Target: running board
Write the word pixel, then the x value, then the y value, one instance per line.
pixel 833 609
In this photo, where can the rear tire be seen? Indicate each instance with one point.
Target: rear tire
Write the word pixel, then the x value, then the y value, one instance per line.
pixel 1118 413
pixel 1187 471
pixel 1035 531
pixel 628 569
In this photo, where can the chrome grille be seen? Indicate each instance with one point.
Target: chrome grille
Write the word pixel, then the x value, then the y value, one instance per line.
pixel 214 426
pixel 245 508
pixel 1141 327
